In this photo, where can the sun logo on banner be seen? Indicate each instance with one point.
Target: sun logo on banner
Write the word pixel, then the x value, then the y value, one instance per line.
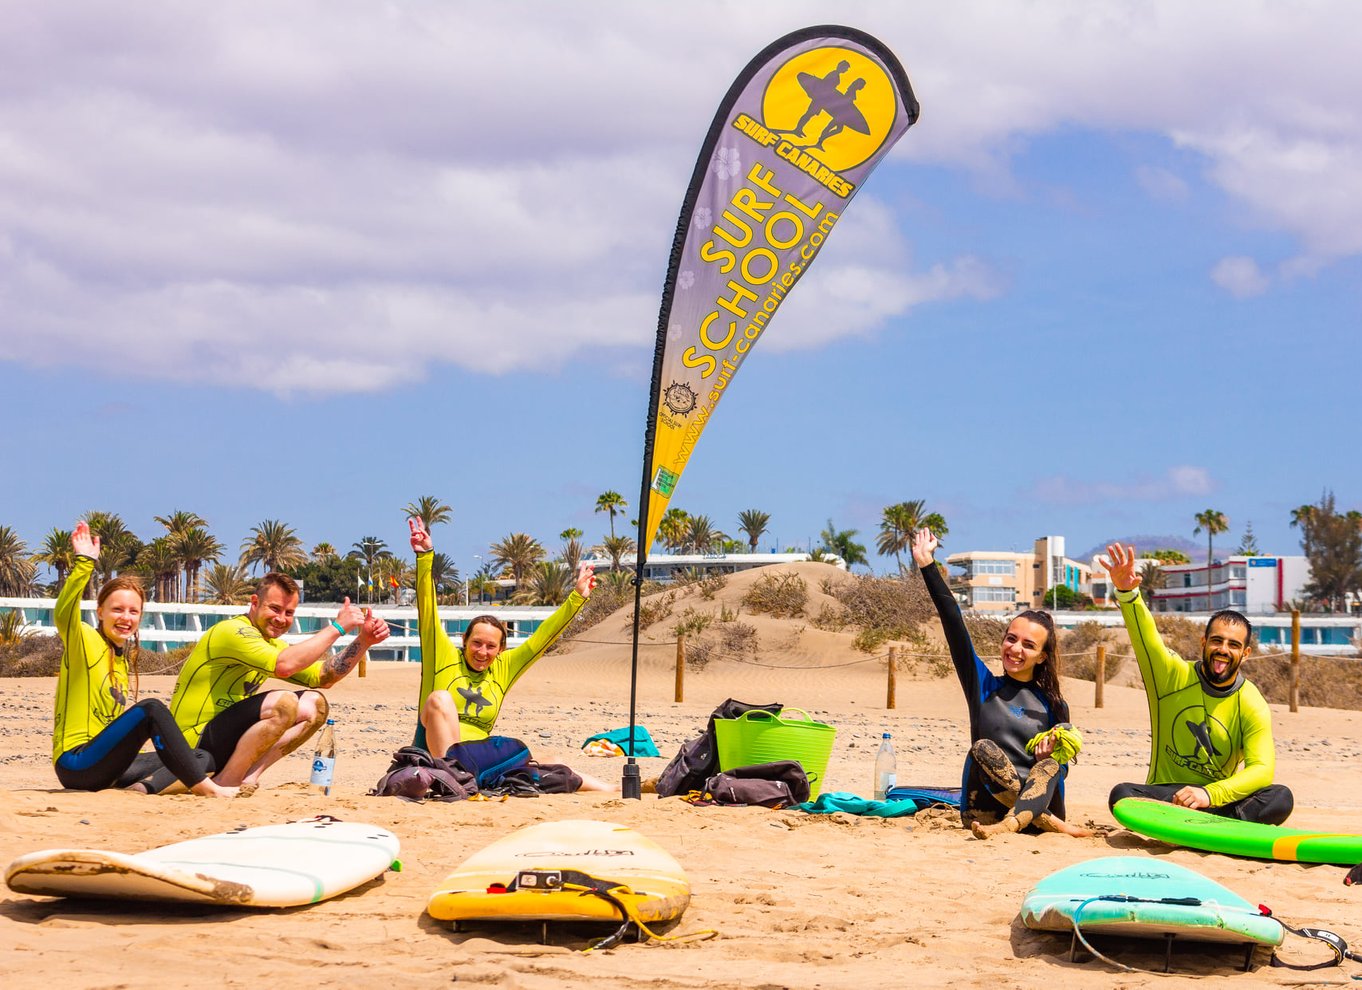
pixel 834 103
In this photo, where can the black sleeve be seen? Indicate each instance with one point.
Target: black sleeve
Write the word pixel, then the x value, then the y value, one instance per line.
pixel 953 624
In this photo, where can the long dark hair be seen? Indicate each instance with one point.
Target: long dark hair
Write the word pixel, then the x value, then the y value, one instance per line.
pixel 1047 674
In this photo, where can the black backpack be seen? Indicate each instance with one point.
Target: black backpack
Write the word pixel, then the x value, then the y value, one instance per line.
pixel 774 785
pixel 698 760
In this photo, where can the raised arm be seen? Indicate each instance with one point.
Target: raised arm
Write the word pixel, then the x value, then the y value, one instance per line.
pixel 372 631
pixel 302 655
pixel 947 608
pixel 66 614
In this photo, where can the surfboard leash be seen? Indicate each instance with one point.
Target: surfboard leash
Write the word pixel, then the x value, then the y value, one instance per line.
pixel 1128 899
pixel 609 891
pixel 1332 940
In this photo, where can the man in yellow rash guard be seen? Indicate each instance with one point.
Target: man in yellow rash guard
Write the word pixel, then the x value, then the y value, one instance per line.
pixel 1210 728
pixel 216 703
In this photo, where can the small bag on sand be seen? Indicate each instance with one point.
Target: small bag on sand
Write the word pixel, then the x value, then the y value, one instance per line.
pixel 772 785
pixel 415 775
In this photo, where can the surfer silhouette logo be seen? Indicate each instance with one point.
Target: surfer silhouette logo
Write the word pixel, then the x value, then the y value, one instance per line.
pixel 473 699
pixel 1200 742
pixel 835 104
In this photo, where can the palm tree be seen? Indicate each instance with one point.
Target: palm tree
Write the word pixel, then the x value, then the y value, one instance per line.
pixel 177 524
pixel 57 554
pixel 370 550
pixel 274 546
pixel 161 563
pixel 573 550
pixel 430 510
pixel 615 547
pixel 196 547
pixel 613 503
pixel 323 551
pixel 517 553
pixel 550 584
pixel 898 524
pixel 842 543
pixel 394 574
pixel 701 536
pixel 227 584
pixel 753 522
pixel 118 546
pixel 1151 579
pixel 1213 522
pixel 17 570
pixel 484 582
pixel 673 528
pixel 1304 516
pixel 443 573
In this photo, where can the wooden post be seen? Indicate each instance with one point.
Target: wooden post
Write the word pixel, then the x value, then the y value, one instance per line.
pixel 1100 678
pixel 364 665
pixel 680 668
pixel 893 673
pixel 1295 659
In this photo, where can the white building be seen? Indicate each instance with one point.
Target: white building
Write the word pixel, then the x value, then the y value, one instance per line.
pixel 1259 585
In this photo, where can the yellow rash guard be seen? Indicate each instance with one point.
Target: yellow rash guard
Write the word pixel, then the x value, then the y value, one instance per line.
pixel 228 665
pixel 92 686
pixel 478 694
pixel 1219 740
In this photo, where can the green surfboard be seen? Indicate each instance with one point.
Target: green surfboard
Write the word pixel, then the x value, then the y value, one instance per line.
pixel 1143 897
pixel 1213 833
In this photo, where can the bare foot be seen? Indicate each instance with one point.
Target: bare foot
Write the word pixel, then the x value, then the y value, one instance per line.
pixel 208 788
pixel 1050 823
pixel 1007 826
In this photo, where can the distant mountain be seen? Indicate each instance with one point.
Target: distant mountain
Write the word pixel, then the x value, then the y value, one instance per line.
pixel 1196 551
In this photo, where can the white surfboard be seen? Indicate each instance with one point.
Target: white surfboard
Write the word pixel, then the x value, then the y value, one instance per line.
pixel 271 866
pixel 529 876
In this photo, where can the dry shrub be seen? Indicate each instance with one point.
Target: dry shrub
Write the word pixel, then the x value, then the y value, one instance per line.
pixel 692 623
pixel 986 633
pixel 168 662
pixel 738 639
pixel 700 651
pixel 830 618
pixel 37 655
pixel 711 585
pixel 882 608
pixel 1182 636
pixel 655 608
pixel 1326 682
pixel 781 595
pixel 1078 652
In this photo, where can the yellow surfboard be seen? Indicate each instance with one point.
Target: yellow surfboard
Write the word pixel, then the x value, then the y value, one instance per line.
pixel 565 871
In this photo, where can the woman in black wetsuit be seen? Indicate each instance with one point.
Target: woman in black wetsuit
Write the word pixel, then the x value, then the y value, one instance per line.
pixel 1007 786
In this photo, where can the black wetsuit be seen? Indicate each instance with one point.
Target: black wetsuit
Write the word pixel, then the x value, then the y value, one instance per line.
pixel 1007 711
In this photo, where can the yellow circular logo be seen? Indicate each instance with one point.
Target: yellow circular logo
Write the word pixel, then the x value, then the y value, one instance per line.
pixel 834 103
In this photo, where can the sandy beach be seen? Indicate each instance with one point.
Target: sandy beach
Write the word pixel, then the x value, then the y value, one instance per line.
pixel 798 900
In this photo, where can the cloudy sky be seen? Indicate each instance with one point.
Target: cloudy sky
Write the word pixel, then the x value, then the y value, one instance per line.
pixel 312 260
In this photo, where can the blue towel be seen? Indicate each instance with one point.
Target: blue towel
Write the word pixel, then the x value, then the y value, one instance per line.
pixel 643 742
pixel 853 804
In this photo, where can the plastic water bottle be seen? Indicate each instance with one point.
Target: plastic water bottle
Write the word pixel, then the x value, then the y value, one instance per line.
pixel 886 775
pixel 324 760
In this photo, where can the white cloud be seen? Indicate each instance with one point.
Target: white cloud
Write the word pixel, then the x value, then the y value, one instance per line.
pixel 1176 482
pixel 1240 277
pixel 243 193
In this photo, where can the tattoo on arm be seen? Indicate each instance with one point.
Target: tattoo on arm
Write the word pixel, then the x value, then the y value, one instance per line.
pixel 339 664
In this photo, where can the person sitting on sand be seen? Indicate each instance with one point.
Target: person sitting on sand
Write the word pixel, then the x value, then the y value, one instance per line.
pixel 1020 739
pixel 483 671
pixel 1210 728
pixel 216 702
pixel 96 736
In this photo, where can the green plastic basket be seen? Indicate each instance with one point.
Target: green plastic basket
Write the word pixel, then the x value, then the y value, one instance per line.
pixel 760 737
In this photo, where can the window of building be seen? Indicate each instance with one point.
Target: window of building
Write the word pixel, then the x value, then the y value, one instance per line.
pixel 993 595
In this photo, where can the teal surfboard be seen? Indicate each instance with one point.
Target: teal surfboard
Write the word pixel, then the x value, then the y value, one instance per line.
pixel 1143 897
pixel 1212 833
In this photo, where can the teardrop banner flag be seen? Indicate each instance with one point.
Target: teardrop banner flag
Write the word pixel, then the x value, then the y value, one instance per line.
pixel 798 133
